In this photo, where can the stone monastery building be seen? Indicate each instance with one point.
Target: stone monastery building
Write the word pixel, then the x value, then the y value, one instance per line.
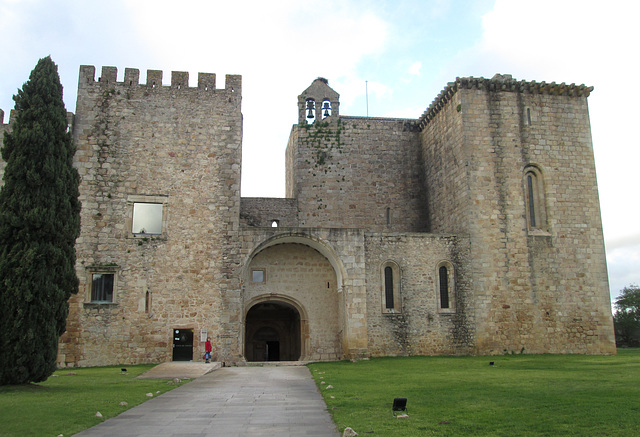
pixel 472 229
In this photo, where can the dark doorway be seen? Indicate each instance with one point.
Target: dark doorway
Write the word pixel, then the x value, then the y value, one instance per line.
pixel 273 351
pixel 272 333
pixel 183 345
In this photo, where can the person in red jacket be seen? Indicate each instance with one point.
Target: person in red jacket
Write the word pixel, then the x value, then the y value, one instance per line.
pixel 207 350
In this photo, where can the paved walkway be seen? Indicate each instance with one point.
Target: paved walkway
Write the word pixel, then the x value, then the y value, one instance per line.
pixel 231 402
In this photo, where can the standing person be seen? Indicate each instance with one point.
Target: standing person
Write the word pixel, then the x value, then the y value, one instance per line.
pixel 207 350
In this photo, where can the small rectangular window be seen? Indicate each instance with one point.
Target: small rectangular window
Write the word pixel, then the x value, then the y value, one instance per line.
pixel 147 218
pixel 257 276
pixel 102 287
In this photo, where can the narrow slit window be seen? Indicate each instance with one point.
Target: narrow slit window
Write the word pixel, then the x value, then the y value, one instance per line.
pixel 532 203
pixel 535 211
pixel 444 287
pixel 529 116
pixel 388 287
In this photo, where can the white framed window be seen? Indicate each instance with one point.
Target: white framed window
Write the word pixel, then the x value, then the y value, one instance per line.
pixel 147 216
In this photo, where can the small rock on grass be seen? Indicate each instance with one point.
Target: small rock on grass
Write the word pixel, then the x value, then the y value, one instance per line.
pixel 98 414
pixel 348 432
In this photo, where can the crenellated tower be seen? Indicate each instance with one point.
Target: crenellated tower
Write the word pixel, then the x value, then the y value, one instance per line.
pixel 160 189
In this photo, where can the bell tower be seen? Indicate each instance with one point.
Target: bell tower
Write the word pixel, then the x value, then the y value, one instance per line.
pixel 318 102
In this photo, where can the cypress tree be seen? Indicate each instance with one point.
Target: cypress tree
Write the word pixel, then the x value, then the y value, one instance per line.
pixel 39 223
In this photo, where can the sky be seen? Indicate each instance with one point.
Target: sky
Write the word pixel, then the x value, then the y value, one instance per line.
pixel 386 58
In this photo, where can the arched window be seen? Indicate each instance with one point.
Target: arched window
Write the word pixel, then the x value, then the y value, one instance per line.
pixel 388 287
pixel 443 277
pixel 535 210
pixel 445 287
pixel 390 279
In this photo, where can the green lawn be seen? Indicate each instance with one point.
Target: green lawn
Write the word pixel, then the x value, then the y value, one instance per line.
pixel 66 403
pixel 520 395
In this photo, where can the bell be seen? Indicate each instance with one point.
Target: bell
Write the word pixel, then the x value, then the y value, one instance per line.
pixel 310 108
pixel 326 109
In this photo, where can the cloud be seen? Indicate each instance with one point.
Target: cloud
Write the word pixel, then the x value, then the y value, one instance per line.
pixel 279 48
pixel 583 42
pixel 415 68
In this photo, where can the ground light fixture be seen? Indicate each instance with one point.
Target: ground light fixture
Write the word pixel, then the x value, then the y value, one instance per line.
pixel 399 404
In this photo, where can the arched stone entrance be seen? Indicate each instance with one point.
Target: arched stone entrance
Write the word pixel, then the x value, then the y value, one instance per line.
pixel 298 286
pixel 273 332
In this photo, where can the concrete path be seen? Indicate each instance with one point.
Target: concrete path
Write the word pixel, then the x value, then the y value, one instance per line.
pixel 180 369
pixel 230 402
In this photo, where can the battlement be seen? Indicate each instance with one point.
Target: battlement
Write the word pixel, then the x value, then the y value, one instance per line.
pixel 500 82
pixel 179 79
pixel 11 119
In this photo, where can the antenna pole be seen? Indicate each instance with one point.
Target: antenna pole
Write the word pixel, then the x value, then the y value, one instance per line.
pixel 366 87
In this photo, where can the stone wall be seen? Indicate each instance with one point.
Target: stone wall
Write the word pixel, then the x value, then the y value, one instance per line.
pixel 419 326
pixel 171 145
pixel 256 211
pixel 357 172
pixel 532 285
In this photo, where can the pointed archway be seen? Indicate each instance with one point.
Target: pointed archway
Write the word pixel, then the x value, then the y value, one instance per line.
pixel 273 332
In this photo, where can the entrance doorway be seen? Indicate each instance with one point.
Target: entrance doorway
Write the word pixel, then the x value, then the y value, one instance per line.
pixel 183 345
pixel 272 332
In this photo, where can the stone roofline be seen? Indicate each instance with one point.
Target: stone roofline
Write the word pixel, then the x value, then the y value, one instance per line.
pixel 355 117
pixel 500 82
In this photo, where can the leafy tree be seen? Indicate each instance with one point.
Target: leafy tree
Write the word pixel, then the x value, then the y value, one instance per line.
pixel 39 223
pixel 627 317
